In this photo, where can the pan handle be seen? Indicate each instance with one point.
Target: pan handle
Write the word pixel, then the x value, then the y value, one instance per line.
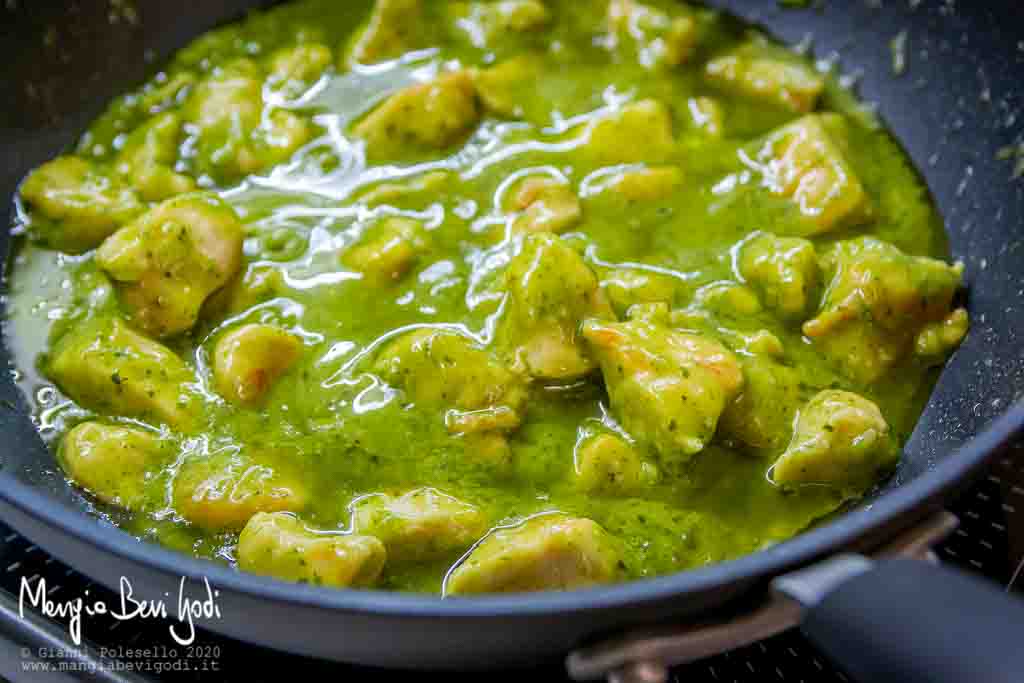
pixel 897 620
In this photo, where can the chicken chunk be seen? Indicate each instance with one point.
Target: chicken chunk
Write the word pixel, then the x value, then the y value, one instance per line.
pixel 550 290
pixel 106 366
pixel 248 360
pixel 394 27
pixel 877 301
pixel 113 463
pixel 707 115
pixel 544 204
pixel 790 85
pixel 802 162
pixel 147 159
pixel 728 309
pixel 235 136
pixel 784 270
pixel 628 287
pixel 420 525
pixel 727 299
pixel 423 117
pixel 258 283
pixel 873 279
pixel 607 463
pixel 937 340
pixel 169 260
pixel 646 124
pixel 548 552
pixel 226 108
pixel 389 250
pixel 646 184
pixel 293 70
pixel 277 544
pixel 279 136
pixel 222 491
pixel 840 440
pixel 507 87
pixel 487 23
pixel 656 38
pixel 495 418
pixel 443 368
pixel 761 342
pixel 761 416
pixel 666 388
pixel 164 91
pixel 488 451
pixel 80 203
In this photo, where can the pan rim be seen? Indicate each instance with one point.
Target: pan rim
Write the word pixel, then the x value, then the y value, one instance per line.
pixel 772 561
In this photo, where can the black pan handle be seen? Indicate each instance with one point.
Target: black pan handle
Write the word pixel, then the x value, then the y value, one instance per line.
pixel 909 621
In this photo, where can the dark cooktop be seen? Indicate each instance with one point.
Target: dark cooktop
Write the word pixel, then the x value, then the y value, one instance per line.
pixel 990 541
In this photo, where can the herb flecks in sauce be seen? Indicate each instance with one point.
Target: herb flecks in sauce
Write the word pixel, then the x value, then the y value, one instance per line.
pixel 480 296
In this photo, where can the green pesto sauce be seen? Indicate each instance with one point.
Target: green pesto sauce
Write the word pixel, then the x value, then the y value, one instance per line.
pixel 350 434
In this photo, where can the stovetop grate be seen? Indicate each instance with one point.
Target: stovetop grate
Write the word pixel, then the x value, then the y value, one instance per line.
pixel 990 541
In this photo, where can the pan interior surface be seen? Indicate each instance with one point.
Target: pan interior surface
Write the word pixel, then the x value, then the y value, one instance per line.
pixel 955 141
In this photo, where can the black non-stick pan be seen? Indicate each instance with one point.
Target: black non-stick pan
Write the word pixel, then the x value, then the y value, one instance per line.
pixel 957 107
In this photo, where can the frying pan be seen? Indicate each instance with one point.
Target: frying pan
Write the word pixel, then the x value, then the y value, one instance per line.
pixel 955 108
